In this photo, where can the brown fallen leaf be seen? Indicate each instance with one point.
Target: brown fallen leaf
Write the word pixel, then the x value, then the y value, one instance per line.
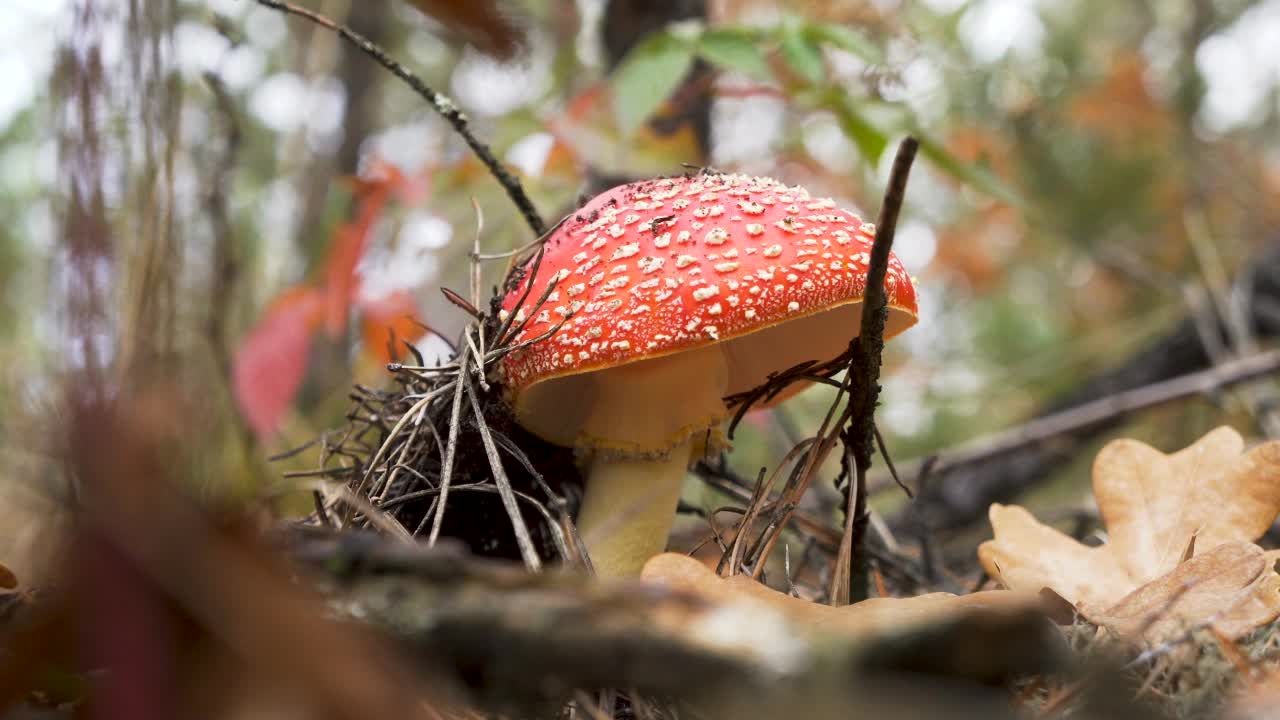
pixel 875 615
pixel 8 580
pixel 1232 586
pixel 1258 700
pixel 1180 553
pixel 489 25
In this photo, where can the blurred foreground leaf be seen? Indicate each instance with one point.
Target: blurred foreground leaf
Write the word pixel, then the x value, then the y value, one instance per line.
pixel 648 76
pixel 735 49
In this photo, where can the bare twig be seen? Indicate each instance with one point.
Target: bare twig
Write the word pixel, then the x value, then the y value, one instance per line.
pixel 440 103
pixel 1047 428
pixel 865 392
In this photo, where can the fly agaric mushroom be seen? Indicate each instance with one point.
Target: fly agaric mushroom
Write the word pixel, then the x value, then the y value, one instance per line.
pixel 678 292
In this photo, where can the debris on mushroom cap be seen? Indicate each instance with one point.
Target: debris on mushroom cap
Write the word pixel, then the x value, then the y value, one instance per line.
pixel 654 267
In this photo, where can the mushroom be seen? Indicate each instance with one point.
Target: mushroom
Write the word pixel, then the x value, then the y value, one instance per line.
pixel 676 293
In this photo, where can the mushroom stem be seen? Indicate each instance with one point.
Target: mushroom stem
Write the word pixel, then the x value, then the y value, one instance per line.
pixel 628 509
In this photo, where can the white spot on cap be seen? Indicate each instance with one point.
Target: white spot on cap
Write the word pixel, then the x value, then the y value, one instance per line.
pixel 749 314
pixel 650 264
pixel 793 306
pixel 616 230
pixel 704 293
pixel 773 251
pixel 685 260
pixel 751 208
pixel 715 309
pixel 725 267
pixel 620 345
pixel 715 236
pixel 712 331
pixel 626 251
pixel 576 290
pixel 662 240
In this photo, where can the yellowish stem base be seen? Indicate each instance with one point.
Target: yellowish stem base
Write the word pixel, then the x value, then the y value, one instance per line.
pixel 628 510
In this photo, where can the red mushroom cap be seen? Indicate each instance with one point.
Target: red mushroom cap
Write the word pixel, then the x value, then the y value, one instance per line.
pixel 753 275
pixel 659 266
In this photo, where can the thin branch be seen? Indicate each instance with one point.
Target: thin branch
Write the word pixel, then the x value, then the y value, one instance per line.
pixel 440 103
pixel 1068 421
pixel 866 361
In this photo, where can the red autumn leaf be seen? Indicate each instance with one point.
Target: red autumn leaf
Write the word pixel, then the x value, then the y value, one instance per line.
pixel 352 238
pixel 387 321
pixel 268 368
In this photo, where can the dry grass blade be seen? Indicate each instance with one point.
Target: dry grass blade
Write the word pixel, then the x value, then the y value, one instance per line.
pixel 418 408
pixel 841 573
pixel 527 551
pixel 734 554
pixel 450 453
pixel 376 516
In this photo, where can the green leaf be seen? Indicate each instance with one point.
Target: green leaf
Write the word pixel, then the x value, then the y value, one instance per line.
pixel 801 55
pixel 871 141
pixel 978 176
pixel 735 49
pixel 846 39
pixel 647 77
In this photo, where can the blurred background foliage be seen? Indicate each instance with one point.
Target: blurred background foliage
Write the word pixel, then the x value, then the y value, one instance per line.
pixel 1091 170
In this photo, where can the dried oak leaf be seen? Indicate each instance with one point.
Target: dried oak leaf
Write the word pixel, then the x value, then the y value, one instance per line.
pixel 867 617
pixel 1180 552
